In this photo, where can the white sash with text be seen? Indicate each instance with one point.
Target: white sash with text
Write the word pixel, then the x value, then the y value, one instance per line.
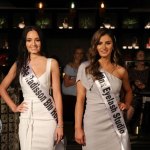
pixel 38 90
pixel 113 110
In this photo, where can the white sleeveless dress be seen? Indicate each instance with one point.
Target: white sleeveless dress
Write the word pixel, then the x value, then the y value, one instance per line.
pixel 37 126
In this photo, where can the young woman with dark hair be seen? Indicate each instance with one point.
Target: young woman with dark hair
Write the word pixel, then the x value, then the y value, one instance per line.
pixel 41 121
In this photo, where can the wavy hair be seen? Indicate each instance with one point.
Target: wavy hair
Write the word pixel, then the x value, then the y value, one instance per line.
pixel 93 55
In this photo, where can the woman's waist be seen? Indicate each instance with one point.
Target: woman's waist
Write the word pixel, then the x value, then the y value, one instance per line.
pixel 95 106
pixel 98 99
pixel 31 100
pixel 98 105
pixel 30 96
pixel 44 118
pixel 41 114
pixel 35 106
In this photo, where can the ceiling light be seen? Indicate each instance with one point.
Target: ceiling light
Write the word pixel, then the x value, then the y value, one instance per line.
pixel 102 5
pixel 40 5
pixel 72 5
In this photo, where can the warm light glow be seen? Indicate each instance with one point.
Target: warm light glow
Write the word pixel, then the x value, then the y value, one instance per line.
pixel 107 25
pixel 124 47
pixel 40 5
pixel 137 130
pixel 147 26
pixel 21 25
pixel 72 5
pixel 129 47
pixel 102 5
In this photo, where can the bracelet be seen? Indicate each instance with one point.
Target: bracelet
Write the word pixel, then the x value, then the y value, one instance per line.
pixel 59 126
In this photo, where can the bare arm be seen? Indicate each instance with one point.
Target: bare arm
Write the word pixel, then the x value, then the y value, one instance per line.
pixel 69 81
pixel 57 91
pixel 128 91
pixel 79 109
pixel 5 84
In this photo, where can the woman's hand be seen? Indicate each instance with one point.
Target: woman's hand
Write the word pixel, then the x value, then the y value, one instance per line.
pixel 20 108
pixel 80 136
pixel 123 106
pixel 130 110
pixel 58 134
pixel 69 80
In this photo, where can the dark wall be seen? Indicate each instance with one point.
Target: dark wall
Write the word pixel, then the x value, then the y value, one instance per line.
pixel 62 48
pixel 60 44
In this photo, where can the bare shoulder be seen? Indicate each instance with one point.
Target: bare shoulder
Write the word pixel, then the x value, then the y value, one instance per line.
pixel 54 63
pixel 13 67
pixel 53 60
pixel 120 69
pixel 122 72
pixel 12 71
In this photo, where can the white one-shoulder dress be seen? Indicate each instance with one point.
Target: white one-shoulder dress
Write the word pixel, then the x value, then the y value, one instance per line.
pixel 37 126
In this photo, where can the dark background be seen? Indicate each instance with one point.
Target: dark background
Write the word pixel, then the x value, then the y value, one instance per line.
pixel 79 3
pixel 60 44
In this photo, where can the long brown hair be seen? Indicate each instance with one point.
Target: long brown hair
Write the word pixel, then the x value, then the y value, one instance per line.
pixel 23 54
pixel 94 56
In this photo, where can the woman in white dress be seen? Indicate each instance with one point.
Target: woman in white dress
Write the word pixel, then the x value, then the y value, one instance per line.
pixel 100 80
pixel 41 122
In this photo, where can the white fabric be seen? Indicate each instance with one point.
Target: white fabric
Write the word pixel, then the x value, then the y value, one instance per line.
pixel 37 126
pixel 113 110
pixel 98 127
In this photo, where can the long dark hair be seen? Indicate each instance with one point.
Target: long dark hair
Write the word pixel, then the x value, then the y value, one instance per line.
pixel 94 56
pixel 23 54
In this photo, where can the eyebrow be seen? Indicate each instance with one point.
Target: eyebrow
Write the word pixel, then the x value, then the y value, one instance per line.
pixel 32 38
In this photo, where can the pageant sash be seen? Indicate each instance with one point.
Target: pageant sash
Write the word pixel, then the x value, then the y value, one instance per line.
pixel 113 110
pixel 41 93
